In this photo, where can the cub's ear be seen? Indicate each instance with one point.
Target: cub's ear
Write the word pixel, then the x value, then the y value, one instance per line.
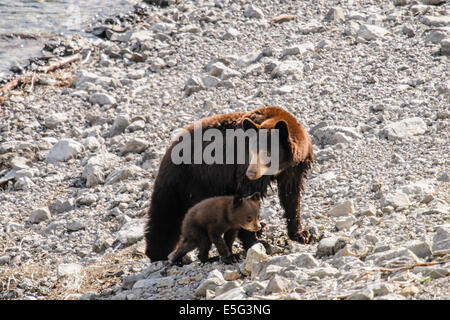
pixel 249 124
pixel 283 129
pixel 237 201
pixel 255 197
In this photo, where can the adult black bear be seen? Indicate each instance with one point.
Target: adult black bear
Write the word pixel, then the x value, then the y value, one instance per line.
pixel 180 186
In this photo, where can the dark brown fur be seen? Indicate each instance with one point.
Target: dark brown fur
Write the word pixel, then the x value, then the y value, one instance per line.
pixel 179 187
pixel 208 220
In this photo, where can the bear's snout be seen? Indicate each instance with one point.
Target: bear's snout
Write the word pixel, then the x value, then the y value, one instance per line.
pixel 251 174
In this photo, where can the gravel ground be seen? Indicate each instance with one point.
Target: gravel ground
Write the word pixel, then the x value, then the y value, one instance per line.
pixel 370 80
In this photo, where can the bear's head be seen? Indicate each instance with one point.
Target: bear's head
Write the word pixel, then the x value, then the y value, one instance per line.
pixel 245 212
pixel 287 144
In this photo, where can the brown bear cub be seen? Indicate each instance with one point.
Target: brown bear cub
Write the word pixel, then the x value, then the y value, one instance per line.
pixel 208 220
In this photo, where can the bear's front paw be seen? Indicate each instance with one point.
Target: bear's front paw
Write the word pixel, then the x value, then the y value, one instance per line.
pixel 301 236
pixel 229 259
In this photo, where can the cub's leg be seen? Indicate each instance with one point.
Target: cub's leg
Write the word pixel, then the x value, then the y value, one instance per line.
pixel 185 246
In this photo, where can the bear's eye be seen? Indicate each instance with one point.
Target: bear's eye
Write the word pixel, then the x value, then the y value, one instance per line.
pixel 249 219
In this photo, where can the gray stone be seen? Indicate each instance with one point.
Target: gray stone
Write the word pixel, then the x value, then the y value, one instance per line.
pixel 436 21
pixel 102 99
pixel 441 240
pixel 157 65
pixel 39 215
pixel 61 206
pixel 135 145
pixel 120 123
pixel 330 246
pixel 364 294
pixel 371 32
pixel 299 49
pixel 253 12
pixel 75 226
pixel 277 284
pixel 445 46
pixel 288 67
pixel 24 183
pixel 419 248
pixel 94 174
pixel 55 119
pixel 119 175
pixel 64 150
pixel 84 76
pixel 335 14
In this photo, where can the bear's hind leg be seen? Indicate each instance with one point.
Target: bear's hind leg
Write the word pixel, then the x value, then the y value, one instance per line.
pixel 204 246
pixel 185 247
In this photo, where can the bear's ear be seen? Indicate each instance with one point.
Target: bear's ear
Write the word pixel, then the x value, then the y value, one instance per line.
pixel 237 201
pixel 256 196
pixel 283 130
pixel 249 124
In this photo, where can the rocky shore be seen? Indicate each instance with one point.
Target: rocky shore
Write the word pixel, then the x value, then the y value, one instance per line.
pixel 80 147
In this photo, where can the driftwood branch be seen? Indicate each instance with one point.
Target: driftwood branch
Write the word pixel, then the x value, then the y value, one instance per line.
pixel 30 76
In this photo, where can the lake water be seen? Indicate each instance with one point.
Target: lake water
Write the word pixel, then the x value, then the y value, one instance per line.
pixel 24 22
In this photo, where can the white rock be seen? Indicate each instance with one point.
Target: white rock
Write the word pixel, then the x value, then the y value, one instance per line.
pixel 345 223
pixel 64 150
pixel 255 254
pixel 371 32
pixel 19 163
pixel 288 67
pixel 248 59
pixel 396 199
pixel 131 232
pixel 343 208
pixel 39 215
pixel 436 21
pixel 404 128
pixel 305 260
pixel 336 134
pixel 69 270
pixel 215 279
pixel 386 258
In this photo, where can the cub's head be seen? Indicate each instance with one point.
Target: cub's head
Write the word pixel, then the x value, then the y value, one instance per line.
pixel 245 212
